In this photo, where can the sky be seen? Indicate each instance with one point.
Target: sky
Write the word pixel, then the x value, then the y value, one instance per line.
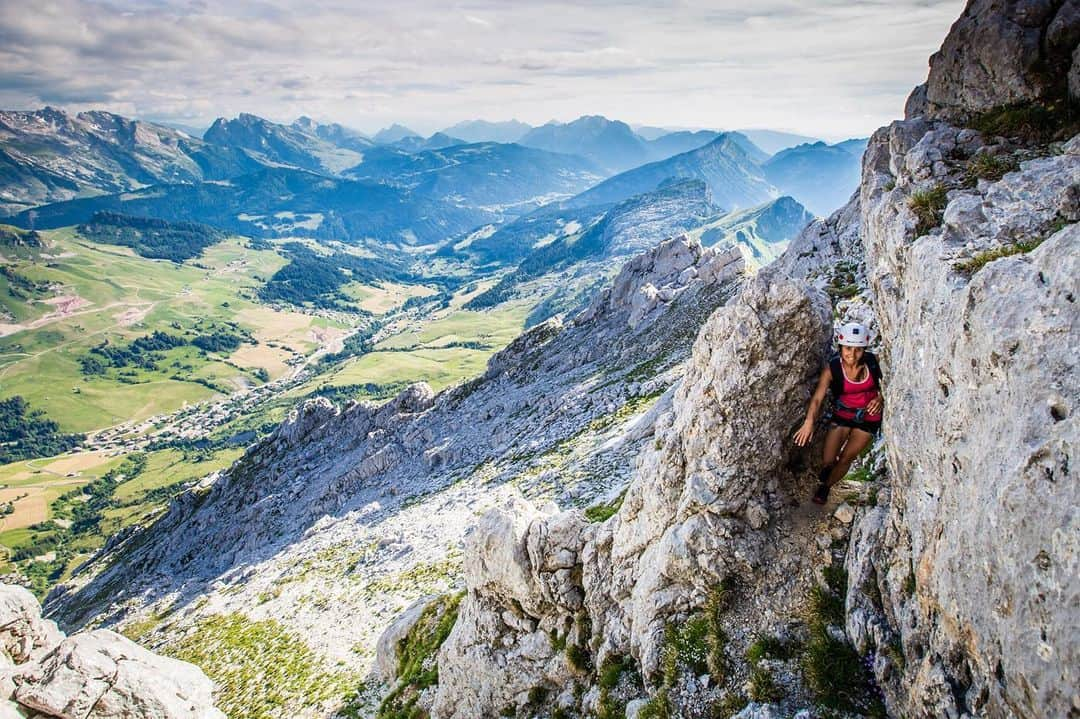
pixel 826 68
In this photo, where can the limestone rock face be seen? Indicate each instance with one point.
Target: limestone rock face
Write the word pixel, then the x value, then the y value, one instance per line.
pixel 688 521
pixel 1001 52
pixel 90 675
pixel 24 635
pixel 652 280
pixel 704 503
pixel 976 558
pixel 103 675
pixel 386 651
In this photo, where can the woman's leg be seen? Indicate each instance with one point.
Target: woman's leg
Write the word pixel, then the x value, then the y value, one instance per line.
pixel 856 442
pixel 834 440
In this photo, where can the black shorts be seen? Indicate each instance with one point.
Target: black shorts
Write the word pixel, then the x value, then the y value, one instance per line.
pixel 868 427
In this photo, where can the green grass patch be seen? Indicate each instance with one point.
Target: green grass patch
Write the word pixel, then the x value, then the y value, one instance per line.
pixel 103 294
pixel 697 646
pixel 768 647
pixel 262 671
pixel 610 674
pixel 110 494
pixel 1031 122
pixel 842 284
pixel 985 166
pixel 929 208
pixel 976 262
pixel 763 687
pixel 417 669
pixel 832 669
pixel 603 512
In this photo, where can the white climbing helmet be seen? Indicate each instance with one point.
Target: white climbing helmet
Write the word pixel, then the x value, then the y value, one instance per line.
pixel 853 334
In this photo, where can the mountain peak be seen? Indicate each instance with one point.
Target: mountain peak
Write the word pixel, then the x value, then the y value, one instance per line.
pixel 394 133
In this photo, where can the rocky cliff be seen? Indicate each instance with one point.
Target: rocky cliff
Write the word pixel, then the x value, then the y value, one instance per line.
pixel 955 591
pixel 973 558
pixel 90 675
pixel 49 155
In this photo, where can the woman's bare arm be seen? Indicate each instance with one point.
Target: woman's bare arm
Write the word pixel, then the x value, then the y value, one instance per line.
pixel 806 431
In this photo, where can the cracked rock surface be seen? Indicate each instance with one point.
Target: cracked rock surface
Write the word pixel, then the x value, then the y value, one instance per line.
pixel 90 675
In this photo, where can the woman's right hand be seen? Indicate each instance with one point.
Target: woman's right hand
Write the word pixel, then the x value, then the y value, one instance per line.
pixel 804 434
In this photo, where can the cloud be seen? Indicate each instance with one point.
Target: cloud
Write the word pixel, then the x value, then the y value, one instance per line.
pixel 820 66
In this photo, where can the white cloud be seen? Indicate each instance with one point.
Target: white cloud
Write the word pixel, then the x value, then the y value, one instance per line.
pixel 823 68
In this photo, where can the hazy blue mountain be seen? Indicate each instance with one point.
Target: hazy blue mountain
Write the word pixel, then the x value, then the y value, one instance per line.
pixel 649 132
pixel 277 144
pixel 50 155
pixel 732 176
pixel 624 229
pixel 676 143
pixel 484 131
pixel 509 243
pixel 611 144
pixel 856 146
pixel 392 134
pixel 506 177
pixel 762 232
pixel 415 143
pixel 821 176
pixel 773 141
pixel 282 202
pixel 335 134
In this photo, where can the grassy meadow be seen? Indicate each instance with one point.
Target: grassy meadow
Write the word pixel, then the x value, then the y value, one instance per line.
pixel 111 295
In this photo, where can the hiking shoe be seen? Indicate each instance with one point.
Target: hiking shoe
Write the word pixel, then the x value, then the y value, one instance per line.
pixel 821 496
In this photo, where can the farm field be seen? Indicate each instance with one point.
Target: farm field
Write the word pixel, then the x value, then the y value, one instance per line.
pixel 452 346
pixel 45 547
pixel 112 296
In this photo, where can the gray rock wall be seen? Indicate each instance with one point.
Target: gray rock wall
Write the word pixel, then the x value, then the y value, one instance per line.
pixel 711 498
pixel 1002 52
pixel 89 675
pixel 977 555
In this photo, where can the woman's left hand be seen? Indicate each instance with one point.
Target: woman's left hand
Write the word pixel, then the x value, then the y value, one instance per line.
pixel 874 406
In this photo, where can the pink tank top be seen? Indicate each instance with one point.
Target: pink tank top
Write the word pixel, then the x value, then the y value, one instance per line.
pixel 857 395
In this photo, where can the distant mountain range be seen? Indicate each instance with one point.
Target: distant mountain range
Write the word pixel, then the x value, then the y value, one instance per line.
pixel 610 144
pixel 821 176
pixel 600 235
pixel 101 161
pixel 762 232
pixel 281 202
pixel 48 155
pixel 298 145
pixel 487 174
pixel 725 165
pixel 483 131
pixel 392 134
pixel 335 134
pixel 773 141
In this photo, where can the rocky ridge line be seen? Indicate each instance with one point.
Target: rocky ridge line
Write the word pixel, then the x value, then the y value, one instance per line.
pixel 961 583
pixel 347 513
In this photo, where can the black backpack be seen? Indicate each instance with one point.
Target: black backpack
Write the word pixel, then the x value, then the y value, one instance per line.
pixel 837 384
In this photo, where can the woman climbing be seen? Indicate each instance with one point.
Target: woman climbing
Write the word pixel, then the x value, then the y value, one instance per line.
pixel 854 377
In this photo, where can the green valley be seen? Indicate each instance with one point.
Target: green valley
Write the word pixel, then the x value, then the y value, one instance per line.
pixel 171 367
